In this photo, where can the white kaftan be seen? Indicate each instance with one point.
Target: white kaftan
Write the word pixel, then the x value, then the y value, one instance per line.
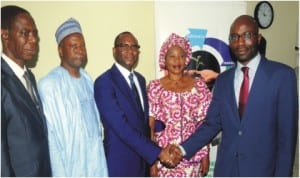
pixel 74 126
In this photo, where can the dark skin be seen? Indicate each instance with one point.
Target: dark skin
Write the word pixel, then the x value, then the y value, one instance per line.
pixel 20 42
pixel 73 53
pixel 176 81
pixel 245 50
pixel 126 58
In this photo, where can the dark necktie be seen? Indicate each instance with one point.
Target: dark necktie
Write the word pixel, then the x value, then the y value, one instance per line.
pixel 30 87
pixel 244 92
pixel 135 92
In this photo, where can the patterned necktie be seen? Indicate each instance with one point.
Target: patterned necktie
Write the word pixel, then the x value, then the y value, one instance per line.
pixel 30 87
pixel 244 92
pixel 135 92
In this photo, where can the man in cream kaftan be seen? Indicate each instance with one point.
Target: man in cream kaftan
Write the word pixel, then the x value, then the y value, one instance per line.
pixel 74 126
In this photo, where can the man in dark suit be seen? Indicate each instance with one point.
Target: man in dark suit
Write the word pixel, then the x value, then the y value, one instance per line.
pixel 258 139
pixel 125 116
pixel 24 143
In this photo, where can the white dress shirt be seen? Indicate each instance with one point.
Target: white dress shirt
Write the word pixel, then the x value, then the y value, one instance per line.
pixel 239 75
pixel 125 74
pixel 19 72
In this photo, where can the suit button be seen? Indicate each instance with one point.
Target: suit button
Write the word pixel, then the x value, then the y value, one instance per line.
pixel 236 154
pixel 240 133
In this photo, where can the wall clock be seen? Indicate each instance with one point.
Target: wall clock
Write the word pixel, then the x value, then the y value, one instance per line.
pixel 264 14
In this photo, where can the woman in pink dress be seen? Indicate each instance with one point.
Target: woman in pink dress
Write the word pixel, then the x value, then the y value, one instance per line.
pixel 178 105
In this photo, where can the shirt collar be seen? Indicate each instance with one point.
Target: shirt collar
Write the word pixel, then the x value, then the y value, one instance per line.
pixel 253 63
pixel 14 66
pixel 123 70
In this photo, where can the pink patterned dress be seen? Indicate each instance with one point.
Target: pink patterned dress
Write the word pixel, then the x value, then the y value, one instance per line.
pixel 182 113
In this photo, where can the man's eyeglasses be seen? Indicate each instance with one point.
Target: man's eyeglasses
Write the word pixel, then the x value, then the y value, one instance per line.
pixel 127 46
pixel 245 36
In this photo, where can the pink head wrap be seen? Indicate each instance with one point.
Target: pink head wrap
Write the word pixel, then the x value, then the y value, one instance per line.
pixel 174 40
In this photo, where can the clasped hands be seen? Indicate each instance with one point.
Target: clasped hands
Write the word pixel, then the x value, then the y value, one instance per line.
pixel 170 156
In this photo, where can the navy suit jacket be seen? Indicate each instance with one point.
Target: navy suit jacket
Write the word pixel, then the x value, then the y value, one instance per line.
pixel 263 142
pixel 127 145
pixel 24 142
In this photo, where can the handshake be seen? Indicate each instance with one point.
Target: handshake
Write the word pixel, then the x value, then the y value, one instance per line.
pixel 170 156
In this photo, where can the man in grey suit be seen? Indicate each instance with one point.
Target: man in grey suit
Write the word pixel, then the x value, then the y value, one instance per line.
pixel 24 143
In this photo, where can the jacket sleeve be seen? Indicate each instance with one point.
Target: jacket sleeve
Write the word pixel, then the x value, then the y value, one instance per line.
pixel 116 119
pixel 6 169
pixel 287 122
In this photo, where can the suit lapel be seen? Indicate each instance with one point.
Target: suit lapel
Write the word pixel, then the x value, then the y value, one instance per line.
pixel 39 107
pixel 32 80
pixel 232 98
pixel 124 87
pixel 9 76
pixel 119 81
pixel 257 89
pixel 144 95
pixel 14 84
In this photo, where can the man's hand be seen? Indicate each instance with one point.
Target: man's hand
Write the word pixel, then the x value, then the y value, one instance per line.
pixel 170 156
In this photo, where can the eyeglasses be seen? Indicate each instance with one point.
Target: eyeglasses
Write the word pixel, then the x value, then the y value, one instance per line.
pixel 127 46
pixel 245 36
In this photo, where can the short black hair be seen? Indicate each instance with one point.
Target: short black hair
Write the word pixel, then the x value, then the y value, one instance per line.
pixel 8 15
pixel 120 34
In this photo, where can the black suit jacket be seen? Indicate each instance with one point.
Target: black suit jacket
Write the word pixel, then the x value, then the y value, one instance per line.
pixel 24 142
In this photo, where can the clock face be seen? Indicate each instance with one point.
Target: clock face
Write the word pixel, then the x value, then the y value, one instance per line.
pixel 264 14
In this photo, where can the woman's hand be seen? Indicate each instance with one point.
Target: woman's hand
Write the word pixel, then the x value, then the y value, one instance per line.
pixel 154 170
pixel 204 166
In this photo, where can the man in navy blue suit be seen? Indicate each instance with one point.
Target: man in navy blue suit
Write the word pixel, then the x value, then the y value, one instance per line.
pixel 261 140
pixel 24 142
pixel 127 144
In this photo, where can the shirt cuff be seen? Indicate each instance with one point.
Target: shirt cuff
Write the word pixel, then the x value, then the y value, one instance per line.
pixel 182 150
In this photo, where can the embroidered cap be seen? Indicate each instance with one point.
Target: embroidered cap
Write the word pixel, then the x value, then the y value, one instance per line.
pixel 68 27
